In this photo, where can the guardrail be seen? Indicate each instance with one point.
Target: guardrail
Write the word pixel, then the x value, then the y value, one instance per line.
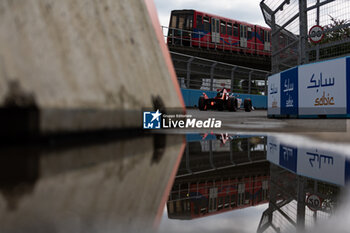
pixel 204 74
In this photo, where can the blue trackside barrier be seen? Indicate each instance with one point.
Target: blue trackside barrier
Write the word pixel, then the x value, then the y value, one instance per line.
pixel 191 98
pixel 318 90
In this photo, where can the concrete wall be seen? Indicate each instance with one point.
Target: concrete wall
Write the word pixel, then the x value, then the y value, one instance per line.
pixel 85 65
pixel 191 98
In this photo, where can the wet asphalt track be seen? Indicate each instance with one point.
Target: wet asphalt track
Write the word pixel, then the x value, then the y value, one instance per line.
pixel 257 121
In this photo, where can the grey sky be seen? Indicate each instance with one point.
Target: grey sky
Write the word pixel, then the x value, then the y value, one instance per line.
pixel 243 10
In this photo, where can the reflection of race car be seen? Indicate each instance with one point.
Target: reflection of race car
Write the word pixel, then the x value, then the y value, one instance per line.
pixel 224 101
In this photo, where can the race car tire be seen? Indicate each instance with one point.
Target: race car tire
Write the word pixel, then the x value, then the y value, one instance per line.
pixel 248 105
pixel 220 106
pixel 232 104
pixel 201 104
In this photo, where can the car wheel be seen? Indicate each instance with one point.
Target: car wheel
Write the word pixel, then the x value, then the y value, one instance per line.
pixel 201 104
pixel 232 104
pixel 248 105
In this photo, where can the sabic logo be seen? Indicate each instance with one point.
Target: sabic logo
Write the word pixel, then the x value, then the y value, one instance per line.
pixel 151 120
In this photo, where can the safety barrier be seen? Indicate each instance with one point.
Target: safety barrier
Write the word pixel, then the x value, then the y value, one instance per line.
pixel 76 71
pixel 310 91
pixel 191 97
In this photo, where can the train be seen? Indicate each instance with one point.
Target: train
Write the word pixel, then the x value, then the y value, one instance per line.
pixel 199 29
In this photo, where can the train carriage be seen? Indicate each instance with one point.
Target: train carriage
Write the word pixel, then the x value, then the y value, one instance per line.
pixel 200 29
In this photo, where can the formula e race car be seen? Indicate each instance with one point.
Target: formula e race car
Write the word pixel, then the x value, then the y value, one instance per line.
pixel 224 101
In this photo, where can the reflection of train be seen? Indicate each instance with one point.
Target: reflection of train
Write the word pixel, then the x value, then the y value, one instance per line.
pixel 195 28
pixel 219 173
pixel 213 197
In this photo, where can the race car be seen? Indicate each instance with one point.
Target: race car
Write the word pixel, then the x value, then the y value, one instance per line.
pixel 224 101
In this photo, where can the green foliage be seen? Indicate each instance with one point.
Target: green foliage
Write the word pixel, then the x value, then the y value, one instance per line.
pixel 341 32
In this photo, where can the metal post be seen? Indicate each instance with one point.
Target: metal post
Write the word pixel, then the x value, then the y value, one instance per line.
pixel 250 80
pixel 172 37
pixel 315 191
pixel 188 191
pixel 274 43
pixel 267 75
pixel 190 39
pixel 197 189
pixel 301 204
pixel 212 68
pixel 211 154
pixel 223 44
pixel 231 153
pixel 318 23
pixel 249 152
pixel 188 72
pixel 199 40
pixel 188 159
pixel 303 31
pixel 181 37
pixel 233 77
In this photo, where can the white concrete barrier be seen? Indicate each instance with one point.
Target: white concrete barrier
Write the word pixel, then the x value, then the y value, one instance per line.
pixel 85 65
pixel 311 90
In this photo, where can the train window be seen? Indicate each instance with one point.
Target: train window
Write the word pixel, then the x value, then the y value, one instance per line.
pixel 190 24
pixel 206 24
pixel 181 22
pixel 229 29
pixel 173 21
pixel 185 22
pixel 223 27
pixel 249 32
pixel 199 22
pixel 235 30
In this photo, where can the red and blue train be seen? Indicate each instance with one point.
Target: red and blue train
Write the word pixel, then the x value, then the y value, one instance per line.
pixel 199 29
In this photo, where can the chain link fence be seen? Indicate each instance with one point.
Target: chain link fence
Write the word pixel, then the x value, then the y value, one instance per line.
pixel 204 74
pixel 291 21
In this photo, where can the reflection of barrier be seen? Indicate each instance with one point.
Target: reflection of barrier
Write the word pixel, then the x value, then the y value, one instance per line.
pixel 304 176
pixel 314 90
pixel 313 162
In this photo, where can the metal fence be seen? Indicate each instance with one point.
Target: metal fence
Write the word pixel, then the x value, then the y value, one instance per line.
pixel 288 211
pixel 291 21
pixel 180 37
pixel 199 73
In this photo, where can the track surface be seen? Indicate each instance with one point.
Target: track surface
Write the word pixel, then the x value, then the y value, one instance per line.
pixel 256 121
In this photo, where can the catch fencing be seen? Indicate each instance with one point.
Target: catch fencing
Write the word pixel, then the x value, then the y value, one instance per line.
pixel 293 42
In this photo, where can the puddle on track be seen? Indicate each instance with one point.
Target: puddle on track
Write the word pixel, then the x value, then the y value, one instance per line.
pixel 225 182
